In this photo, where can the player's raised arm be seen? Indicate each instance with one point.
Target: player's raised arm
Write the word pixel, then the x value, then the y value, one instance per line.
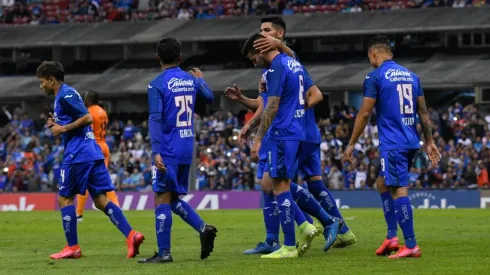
pixel 202 88
pixel 430 147
pixel 362 118
pixel 234 93
pixel 155 119
pixel 269 43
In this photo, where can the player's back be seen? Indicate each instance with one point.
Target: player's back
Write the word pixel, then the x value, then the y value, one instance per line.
pixel 177 90
pixel 285 78
pixel 100 121
pixel 396 90
pixel 79 143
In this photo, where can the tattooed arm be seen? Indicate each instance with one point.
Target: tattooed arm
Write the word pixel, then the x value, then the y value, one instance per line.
pixel 424 119
pixel 268 116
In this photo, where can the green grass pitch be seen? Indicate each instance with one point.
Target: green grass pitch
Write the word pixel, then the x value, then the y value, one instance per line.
pixel 452 241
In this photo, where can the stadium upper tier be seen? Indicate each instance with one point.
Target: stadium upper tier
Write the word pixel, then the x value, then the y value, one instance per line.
pixel 438 72
pixel 315 25
pixel 69 11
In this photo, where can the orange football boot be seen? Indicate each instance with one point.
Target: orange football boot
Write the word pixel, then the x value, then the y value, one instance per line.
pixel 388 246
pixel 69 252
pixel 407 253
pixel 134 240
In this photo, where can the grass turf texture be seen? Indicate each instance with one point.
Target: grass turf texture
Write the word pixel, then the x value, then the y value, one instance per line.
pixel 452 242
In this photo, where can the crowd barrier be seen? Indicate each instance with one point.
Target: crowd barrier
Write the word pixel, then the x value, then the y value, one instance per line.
pixel 201 200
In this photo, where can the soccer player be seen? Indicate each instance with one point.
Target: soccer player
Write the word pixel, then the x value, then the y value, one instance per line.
pixel 309 163
pixel 283 123
pixel 398 97
pixel 99 125
pixel 171 100
pixel 274 28
pixel 83 162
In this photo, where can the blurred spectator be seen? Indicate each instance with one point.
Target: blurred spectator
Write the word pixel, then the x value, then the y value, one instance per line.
pixel 65 11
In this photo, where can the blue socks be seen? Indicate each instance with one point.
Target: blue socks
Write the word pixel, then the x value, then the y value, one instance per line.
pixel 404 214
pixel 271 219
pixel 327 201
pixel 69 219
pixel 286 217
pixel 310 205
pixel 163 226
pixel 299 217
pixel 188 214
pixel 117 218
pixel 390 217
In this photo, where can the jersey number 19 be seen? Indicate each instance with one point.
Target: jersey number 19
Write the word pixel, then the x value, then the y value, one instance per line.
pixel 405 92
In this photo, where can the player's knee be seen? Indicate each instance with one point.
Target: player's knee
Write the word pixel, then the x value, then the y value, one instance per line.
pixel 380 184
pixel 163 198
pixel 280 186
pixel 313 178
pixel 398 191
pixel 100 201
pixel 64 201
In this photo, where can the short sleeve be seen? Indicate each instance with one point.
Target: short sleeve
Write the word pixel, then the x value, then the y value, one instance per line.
pixel 73 105
pixel 275 79
pixel 308 82
pixel 370 87
pixel 420 91
pixel 154 99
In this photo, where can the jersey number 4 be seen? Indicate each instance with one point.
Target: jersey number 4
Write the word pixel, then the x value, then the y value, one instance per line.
pixel 183 102
pixel 405 92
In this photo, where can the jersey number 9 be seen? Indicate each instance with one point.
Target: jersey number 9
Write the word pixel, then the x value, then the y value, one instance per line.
pixel 405 92
pixel 183 102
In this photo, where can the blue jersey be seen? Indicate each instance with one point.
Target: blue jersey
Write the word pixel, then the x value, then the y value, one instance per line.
pixel 80 145
pixel 396 90
pixel 311 129
pixel 285 79
pixel 171 99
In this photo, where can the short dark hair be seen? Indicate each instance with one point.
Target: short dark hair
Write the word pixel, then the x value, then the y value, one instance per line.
pixel 49 69
pixel 248 46
pixel 275 20
pixel 380 41
pixel 168 50
pixel 93 96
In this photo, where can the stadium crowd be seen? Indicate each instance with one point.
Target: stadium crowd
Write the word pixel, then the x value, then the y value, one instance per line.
pixel 31 158
pixel 34 12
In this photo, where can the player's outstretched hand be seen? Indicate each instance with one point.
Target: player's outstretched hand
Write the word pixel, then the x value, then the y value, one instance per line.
pixel 244 133
pixel 267 43
pixel 196 73
pixel 233 93
pixel 254 152
pixel 159 163
pixel 433 153
pixel 348 154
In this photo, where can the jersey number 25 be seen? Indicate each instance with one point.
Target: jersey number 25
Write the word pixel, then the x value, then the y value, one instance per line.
pixel 405 92
pixel 183 102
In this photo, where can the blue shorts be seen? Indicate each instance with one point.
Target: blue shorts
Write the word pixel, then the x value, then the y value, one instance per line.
pixel 282 156
pixel 77 178
pixel 262 158
pixel 395 165
pixel 175 179
pixel 309 164
pixel 260 168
